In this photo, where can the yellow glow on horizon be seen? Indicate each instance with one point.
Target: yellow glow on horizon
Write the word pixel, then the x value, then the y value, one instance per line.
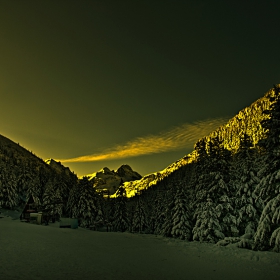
pixel 180 137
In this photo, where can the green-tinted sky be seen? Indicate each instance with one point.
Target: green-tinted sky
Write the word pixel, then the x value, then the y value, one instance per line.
pixel 98 77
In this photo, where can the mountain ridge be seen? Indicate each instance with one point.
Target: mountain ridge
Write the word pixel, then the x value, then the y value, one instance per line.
pixel 24 174
pixel 109 180
pixel 240 123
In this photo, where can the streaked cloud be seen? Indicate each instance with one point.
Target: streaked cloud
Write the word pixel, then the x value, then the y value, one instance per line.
pixel 183 136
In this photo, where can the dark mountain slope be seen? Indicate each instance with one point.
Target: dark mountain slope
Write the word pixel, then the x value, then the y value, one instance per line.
pixel 23 174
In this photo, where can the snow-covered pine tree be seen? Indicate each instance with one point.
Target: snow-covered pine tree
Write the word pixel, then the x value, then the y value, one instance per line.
pixel 34 190
pixel 267 233
pixel 66 181
pixel 219 190
pixel 227 216
pixel 244 181
pixel 24 180
pixel 52 201
pixel 9 196
pixel 269 185
pixel 219 158
pixel 213 193
pixel 189 183
pixel 275 240
pixel 99 220
pixel 181 219
pixel 72 203
pixel 203 169
pixel 158 213
pixel 168 203
pixel 139 220
pixel 108 212
pixel 207 227
pixel 212 169
pixel 121 221
pixel 62 185
pixel 271 124
pixel 87 203
pixel 148 200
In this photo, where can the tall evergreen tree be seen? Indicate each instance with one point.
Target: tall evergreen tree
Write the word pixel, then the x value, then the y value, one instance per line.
pixel 268 233
pixel 139 222
pixel 244 180
pixel 181 218
pixel 207 226
pixel 158 213
pixel 121 220
pixel 83 203
pixel 9 196
pixel 270 183
pixel 52 201
pixel 168 212
pixel 35 190
pixel 212 192
pixel 72 202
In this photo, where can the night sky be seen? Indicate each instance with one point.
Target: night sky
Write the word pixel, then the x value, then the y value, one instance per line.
pixel 106 83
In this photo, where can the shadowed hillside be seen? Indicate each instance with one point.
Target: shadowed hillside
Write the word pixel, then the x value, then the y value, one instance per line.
pixel 23 174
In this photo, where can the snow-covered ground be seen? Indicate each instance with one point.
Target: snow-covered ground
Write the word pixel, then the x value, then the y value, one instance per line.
pixel 30 251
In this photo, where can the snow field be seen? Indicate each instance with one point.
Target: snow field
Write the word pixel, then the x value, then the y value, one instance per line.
pixel 30 251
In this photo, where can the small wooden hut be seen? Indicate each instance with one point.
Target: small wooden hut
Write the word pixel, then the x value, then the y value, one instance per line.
pixel 30 207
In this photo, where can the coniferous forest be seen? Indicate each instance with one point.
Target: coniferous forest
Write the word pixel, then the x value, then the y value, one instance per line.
pixel 228 192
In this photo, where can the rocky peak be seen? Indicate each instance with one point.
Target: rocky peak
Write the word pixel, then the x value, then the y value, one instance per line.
pixel 107 171
pixel 111 180
pixel 58 166
pixel 127 174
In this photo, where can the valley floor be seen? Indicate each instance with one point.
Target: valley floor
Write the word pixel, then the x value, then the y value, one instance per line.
pixel 29 251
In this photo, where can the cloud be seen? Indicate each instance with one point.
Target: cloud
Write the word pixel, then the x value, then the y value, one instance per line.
pixel 180 137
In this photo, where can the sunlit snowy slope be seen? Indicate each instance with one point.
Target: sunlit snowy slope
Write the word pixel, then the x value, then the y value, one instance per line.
pixel 247 121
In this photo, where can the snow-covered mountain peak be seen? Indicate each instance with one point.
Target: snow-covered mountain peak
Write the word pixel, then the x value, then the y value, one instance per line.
pixel 151 179
pixel 58 166
pixel 126 172
pixel 111 180
pixel 106 171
